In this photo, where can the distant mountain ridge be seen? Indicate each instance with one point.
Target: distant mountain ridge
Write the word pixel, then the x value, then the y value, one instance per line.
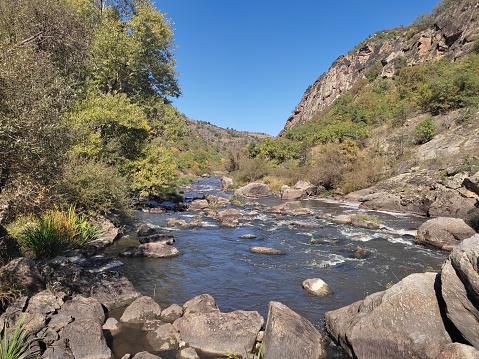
pixel 450 31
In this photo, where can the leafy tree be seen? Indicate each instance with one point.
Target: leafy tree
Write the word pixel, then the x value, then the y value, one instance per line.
pixel 132 52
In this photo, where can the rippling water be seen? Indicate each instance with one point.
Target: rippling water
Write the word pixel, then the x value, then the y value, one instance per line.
pixel 217 261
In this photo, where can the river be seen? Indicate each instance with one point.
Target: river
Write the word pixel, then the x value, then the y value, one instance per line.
pixel 213 259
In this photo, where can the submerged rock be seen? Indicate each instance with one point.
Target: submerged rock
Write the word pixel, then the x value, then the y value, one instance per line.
pixel 265 250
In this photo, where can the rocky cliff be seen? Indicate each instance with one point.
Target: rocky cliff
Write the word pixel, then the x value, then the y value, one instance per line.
pixel 450 31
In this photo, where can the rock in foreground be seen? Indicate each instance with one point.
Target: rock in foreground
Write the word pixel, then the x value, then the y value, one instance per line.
pixel 290 336
pixel 443 232
pixel 403 322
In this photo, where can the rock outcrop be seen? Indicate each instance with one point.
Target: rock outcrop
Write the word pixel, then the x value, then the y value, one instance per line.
pixel 452 36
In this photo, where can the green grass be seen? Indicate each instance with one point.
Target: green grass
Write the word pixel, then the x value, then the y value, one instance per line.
pixel 46 236
pixel 16 345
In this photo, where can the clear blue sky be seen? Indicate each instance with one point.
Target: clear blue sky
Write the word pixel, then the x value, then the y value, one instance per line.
pixel 245 64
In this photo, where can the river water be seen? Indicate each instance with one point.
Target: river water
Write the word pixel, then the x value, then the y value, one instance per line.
pixel 354 262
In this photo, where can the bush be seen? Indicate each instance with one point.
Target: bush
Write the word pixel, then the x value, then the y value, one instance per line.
pixel 93 187
pixel 425 131
pixel 46 236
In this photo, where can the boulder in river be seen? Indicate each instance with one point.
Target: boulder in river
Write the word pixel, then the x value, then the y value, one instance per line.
pixel 265 250
pixel 402 322
pixel 289 335
pixel 460 289
pixel 157 237
pixel 226 183
pixel 254 190
pixel 443 232
pixel 152 250
pixel 316 286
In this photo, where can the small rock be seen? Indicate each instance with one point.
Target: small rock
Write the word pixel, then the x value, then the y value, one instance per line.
pixel 140 310
pixel 164 338
pixel 112 325
pixel 145 355
pixel 265 250
pixel 151 250
pixel 170 314
pixel 187 353
pixel 316 287
pixel 248 236
pixel 145 230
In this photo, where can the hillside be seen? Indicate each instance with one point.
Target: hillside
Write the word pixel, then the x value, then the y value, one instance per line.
pixel 221 139
pixel 449 32
pixel 393 124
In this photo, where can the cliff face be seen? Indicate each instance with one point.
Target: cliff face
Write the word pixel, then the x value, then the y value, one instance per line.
pixel 453 34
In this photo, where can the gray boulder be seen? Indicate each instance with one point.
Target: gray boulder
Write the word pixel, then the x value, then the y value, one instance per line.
pixel 460 289
pixel 203 303
pixel 443 232
pixel 198 205
pixel 219 334
pixel 22 274
pixel 254 190
pixel 151 250
pixel 403 322
pixel 307 188
pixel 170 314
pixel 85 339
pixel 142 309
pixel 114 292
pixel 226 183
pixel 458 351
pixel 83 308
pixel 291 194
pixel 163 338
pixel 290 336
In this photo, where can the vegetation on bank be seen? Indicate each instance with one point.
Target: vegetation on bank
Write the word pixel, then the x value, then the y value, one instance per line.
pixel 337 148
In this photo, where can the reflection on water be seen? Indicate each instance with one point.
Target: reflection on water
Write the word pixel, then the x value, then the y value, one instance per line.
pixel 355 262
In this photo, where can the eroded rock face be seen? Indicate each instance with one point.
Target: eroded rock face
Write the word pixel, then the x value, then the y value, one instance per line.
pixel 451 37
pixel 459 351
pixel 289 335
pixel 460 289
pixel 443 232
pixel 402 322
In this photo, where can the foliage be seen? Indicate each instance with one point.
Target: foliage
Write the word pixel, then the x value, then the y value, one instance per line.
pixel 16 345
pixel 155 172
pixel 47 235
pixel 425 131
pixel 93 187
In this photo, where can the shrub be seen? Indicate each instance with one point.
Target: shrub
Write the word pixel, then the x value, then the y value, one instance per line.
pixel 93 187
pixel 46 236
pixel 425 131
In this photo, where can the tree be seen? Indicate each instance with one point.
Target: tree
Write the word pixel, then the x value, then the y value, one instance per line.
pixel 132 53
